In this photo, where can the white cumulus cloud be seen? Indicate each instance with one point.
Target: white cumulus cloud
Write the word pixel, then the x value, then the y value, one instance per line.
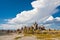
pixel 42 10
pixel 51 20
pixel 53 23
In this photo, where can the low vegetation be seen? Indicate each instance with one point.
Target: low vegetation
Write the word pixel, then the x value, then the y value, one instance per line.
pixel 40 32
pixel 18 37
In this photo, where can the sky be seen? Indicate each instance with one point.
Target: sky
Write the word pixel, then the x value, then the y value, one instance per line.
pixel 12 10
pixel 11 7
pixel 57 14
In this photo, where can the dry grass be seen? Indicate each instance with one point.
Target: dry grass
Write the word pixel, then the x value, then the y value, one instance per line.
pixel 18 37
pixel 46 35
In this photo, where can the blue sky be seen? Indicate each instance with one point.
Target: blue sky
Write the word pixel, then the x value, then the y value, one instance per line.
pixel 10 8
pixel 57 14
